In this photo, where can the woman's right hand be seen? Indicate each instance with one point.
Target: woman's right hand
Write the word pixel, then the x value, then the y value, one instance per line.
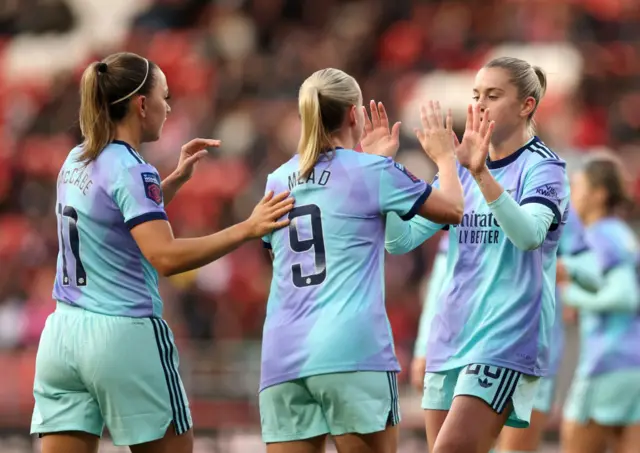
pixel 377 138
pixel 264 218
pixel 435 137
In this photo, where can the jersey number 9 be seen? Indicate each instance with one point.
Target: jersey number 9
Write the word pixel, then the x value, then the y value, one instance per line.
pixel 316 242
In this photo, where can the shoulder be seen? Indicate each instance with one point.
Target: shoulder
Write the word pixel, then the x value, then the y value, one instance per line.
pixel 284 171
pixel 538 155
pixel 615 238
pixel 120 156
pixel 123 167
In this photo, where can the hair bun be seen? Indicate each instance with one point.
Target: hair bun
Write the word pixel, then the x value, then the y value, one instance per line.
pixel 102 67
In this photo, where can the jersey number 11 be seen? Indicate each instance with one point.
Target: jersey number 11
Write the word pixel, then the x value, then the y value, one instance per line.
pixel 68 216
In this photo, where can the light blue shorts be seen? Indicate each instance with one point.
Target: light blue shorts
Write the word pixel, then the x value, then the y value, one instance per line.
pixel 545 396
pixel 611 399
pixel 495 385
pixel 362 402
pixel 94 369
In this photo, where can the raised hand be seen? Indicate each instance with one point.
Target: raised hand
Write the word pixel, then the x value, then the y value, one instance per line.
pixel 264 218
pixel 190 154
pixel 377 138
pixel 436 137
pixel 473 151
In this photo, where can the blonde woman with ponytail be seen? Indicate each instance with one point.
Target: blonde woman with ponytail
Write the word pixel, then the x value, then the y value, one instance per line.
pixel 106 356
pixel 328 361
pixel 488 346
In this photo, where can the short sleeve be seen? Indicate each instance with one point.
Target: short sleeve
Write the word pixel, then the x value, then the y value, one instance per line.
pixel 435 184
pixel 137 191
pixel 400 191
pixel 266 239
pixel 546 183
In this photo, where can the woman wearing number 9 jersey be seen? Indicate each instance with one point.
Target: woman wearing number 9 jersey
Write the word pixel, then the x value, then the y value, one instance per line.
pixel 105 355
pixel 328 361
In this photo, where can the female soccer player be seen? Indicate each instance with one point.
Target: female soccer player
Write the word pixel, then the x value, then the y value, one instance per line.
pixel 603 407
pixel 489 340
pixel 105 355
pixel 577 262
pixel 436 281
pixel 328 361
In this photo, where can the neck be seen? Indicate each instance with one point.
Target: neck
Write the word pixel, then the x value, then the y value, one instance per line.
pixel 594 215
pixel 508 146
pixel 343 141
pixel 131 135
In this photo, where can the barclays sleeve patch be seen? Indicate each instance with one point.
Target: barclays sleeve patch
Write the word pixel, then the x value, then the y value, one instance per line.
pixel 410 175
pixel 152 187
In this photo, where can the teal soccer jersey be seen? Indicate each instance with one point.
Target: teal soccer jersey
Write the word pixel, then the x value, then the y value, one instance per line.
pixel 100 267
pixel 326 311
pixel 610 340
pixel 497 306
pixel 572 243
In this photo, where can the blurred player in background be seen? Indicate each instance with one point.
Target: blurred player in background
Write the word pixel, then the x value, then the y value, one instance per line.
pixel 436 282
pixel 106 355
pixel 603 407
pixel 489 339
pixel 328 359
pixel 578 262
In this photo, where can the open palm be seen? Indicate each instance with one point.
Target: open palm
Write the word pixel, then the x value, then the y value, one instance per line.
pixel 472 152
pixel 377 138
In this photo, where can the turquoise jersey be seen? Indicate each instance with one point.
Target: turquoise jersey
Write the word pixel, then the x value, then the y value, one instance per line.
pixel 610 339
pixel 100 267
pixel 326 311
pixel 573 245
pixel 497 306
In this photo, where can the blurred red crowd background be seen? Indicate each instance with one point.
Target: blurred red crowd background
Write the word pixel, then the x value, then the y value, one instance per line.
pixel 234 68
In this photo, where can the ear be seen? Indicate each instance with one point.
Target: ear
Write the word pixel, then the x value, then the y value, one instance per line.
pixel 140 103
pixel 528 106
pixel 353 115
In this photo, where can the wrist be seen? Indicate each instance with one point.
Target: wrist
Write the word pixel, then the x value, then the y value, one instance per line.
pixel 479 173
pixel 446 161
pixel 245 231
pixel 176 179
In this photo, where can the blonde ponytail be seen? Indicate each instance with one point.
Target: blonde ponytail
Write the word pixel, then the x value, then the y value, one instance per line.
pixel 95 122
pixel 313 137
pixel 323 100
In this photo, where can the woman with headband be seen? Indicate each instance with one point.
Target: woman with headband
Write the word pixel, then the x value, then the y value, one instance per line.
pixel 106 356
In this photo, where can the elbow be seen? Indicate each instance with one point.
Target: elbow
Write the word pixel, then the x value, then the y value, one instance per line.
pixel 454 216
pixel 164 265
pixel 528 245
pixel 592 283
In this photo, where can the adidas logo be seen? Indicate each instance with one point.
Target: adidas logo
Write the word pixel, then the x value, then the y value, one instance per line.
pixel 484 383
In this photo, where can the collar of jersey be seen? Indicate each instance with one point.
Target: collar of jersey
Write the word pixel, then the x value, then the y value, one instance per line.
pixel 500 163
pixel 120 142
pixel 130 148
